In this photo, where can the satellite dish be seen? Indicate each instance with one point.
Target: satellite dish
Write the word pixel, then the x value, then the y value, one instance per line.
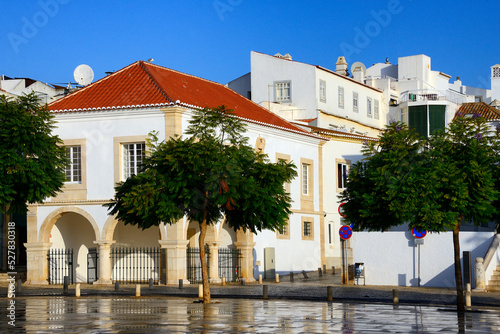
pixel 83 74
pixel 358 66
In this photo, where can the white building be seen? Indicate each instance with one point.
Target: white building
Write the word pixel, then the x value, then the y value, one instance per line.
pixel 104 127
pixel 14 87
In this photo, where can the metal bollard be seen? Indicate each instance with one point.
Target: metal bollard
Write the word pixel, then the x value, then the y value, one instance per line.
pixel 137 290
pixel 260 279
pixel 181 283
pixel 66 282
pixel 77 290
pixel 19 286
pixel 324 269
pixel 320 273
pixel 333 270
pixel 223 281
pixel 151 284
pixel 329 293
pixel 291 276
pixel 242 281
pixel 200 291
pixel 117 286
pixel 265 294
pixel 277 278
pixel 468 301
pixel 395 296
pixel 305 274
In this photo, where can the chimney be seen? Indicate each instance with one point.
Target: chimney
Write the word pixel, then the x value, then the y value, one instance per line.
pixel 287 56
pixel 358 74
pixel 341 66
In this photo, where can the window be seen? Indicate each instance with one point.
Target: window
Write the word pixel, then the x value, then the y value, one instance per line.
pixel 133 155
pixel 307 229
pixel 355 101
pixel 283 91
pixel 369 107
pixel 74 167
pixel 283 230
pixel 341 97
pixel 305 179
pixel 330 236
pixel 322 91
pixel 375 109
pixel 342 172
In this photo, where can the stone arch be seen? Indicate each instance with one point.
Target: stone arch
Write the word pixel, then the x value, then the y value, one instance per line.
pixel 51 219
pixel 110 225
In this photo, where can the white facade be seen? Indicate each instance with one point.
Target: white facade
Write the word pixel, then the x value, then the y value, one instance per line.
pixel 16 87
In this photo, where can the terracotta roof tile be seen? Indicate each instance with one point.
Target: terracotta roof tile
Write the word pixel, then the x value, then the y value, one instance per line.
pixel 144 84
pixel 481 108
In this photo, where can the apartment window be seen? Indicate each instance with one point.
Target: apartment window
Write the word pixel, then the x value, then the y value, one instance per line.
pixel 322 91
pixel 133 154
pixel 283 91
pixel 369 107
pixel 342 172
pixel 282 230
pixel 307 229
pixel 376 109
pixel 74 167
pixel 355 101
pixel 305 179
pixel 341 97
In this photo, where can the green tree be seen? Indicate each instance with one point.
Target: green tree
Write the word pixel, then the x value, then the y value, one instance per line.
pixel 210 174
pixel 431 184
pixel 32 161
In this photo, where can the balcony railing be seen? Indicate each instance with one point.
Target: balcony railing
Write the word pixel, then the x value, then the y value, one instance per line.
pixel 423 95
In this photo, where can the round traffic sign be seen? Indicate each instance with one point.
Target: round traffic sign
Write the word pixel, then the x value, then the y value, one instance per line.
pixel 345 232
pixel 418 234
pixel 341 211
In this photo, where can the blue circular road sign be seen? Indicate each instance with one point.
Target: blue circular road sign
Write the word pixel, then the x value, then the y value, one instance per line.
pixel 345 232
pixel 418 234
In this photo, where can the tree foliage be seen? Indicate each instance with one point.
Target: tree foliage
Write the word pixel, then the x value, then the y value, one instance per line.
pixel 206 175
pixel 431 184
pixel 32 161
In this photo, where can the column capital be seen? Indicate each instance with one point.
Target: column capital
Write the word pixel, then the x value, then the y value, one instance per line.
pixel 37 246
pixel 244 244
pixel 104 243
pixel 173 243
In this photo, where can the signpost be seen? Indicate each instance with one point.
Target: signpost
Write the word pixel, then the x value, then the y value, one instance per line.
pixel 345 233
pixel 419 240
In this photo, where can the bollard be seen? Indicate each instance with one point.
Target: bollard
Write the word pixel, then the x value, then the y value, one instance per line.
pixel 200 291
pixel 277 278
pixel 19 285
pixel 395 296
pixel 468 301
pixel 77 290
pixel 137 290
pixel 260 279
pixel 117 286
pixel 291 276
pixel 242 281
pixel 66 282
pixel 324 269
pixel 181 283
pixel 329 293
pixel 319 272
pixel 265 292
pixel 305 274
pixel 223 281
pixel 333 270
pixel 151 284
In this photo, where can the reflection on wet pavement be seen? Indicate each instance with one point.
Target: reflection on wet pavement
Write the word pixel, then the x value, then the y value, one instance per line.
pixel 176 315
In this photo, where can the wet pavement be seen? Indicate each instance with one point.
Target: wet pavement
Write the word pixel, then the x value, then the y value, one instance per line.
pixel 125 314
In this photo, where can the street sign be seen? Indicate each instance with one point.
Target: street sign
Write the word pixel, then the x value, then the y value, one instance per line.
pixel 418 234
pixel 341 212
pixel 345 232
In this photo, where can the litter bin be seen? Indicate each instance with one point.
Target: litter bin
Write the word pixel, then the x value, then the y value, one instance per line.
pixel 359 272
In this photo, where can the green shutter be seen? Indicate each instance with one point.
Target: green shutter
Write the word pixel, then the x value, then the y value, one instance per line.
pixel 417 119
pixel 436 117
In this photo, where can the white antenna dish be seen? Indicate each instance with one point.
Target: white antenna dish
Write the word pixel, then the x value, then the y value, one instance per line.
pixel 83 74
pixel 358 66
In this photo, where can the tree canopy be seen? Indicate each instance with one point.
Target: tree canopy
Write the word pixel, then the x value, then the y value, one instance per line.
pixel 208 174
pixel 431 183
pixel 32 160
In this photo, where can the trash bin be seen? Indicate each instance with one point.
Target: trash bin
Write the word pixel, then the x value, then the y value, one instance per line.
pixel 359 272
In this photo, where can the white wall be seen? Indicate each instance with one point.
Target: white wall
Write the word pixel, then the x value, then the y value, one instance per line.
pixel 391 258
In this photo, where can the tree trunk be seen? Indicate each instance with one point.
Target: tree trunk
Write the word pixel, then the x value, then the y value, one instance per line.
pixel 203 258
pixel 4 235
pixel 458 268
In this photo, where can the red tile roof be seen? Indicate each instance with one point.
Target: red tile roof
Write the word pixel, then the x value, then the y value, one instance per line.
pixel 481 108
pixel 143 84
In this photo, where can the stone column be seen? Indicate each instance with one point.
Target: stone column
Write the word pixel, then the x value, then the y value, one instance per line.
pixel 214 262
pixel 104 261
pixel 175 253
pixel 479 273
pixel 37 263
pixel 246 259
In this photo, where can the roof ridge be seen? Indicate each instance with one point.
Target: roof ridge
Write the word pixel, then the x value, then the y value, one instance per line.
pixel 151 77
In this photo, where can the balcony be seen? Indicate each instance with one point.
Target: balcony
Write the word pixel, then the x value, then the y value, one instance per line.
pixel 425 95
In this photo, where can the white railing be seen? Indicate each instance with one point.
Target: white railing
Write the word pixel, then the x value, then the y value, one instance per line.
pixel 421 95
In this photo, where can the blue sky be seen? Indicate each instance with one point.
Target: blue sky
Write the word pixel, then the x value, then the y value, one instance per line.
pixel 47 39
